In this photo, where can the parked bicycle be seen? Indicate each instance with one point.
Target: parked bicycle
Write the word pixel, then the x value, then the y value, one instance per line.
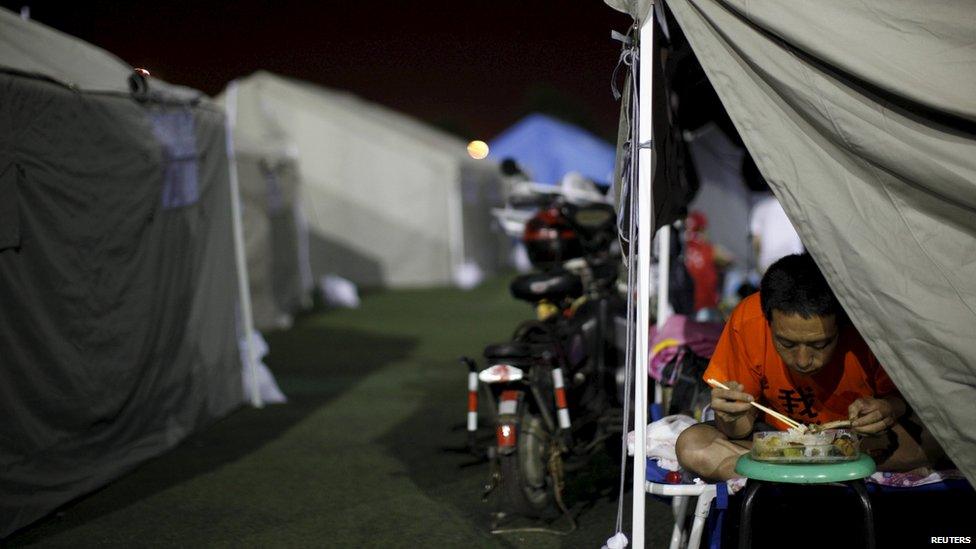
pixel 552 393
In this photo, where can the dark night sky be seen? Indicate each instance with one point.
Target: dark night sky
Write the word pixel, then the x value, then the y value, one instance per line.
pixel 472 67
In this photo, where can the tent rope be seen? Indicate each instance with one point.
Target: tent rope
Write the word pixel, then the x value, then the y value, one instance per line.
pixel 629 57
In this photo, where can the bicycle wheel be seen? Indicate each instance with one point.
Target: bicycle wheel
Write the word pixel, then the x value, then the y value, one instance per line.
pixel 526 487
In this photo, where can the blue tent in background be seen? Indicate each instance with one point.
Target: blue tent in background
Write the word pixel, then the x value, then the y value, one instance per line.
pixel 548 148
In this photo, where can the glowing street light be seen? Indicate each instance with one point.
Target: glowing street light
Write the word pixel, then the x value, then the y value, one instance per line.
pixel 478 150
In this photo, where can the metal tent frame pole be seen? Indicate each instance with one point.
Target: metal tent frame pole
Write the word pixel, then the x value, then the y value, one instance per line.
pixel 645 226
pixel 455 219
pixel 243 285
pixel 663 275
pixel 663 289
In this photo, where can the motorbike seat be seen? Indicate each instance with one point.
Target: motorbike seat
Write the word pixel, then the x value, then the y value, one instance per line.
pixel 553 286
pixel 593 220
pixel 509 350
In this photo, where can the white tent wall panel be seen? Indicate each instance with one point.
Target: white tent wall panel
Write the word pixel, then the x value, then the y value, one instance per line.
pixel 379 196
pixel 381 193
pixel 397 254
pixel 482 244
pixel 271 238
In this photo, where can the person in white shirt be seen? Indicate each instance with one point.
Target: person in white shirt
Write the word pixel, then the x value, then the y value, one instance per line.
pixel 771 232
pixel 773 236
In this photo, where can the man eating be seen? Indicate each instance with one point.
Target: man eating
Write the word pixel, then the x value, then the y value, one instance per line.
pixel 791 347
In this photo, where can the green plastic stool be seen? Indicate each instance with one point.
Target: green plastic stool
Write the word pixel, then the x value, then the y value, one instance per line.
pixel 759 473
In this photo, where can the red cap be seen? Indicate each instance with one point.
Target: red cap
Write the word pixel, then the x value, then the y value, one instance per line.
pixel 696 222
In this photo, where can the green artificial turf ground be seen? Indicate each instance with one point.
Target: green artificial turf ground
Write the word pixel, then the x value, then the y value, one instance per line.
pixel 365 454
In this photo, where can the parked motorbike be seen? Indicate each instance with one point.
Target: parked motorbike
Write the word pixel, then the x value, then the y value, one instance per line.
pixel 551 392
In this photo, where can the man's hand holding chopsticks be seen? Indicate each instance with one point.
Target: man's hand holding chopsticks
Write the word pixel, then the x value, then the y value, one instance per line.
pixel 734 415
pixel 731 404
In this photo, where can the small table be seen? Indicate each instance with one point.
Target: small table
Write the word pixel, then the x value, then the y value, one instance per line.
pixel 759 473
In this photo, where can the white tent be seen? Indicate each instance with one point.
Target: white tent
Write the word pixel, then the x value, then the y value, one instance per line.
pixel 388 200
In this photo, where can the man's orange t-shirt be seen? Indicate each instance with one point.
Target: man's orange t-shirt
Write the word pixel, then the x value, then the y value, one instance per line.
pixel 745 353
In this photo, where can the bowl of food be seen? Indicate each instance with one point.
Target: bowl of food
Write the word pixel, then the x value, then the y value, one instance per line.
pixel 805 446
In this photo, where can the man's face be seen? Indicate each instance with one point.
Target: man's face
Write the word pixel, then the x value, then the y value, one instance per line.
pixel 804 344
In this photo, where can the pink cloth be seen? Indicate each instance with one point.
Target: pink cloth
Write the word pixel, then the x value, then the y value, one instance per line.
pixel 915 477
pixel 700 337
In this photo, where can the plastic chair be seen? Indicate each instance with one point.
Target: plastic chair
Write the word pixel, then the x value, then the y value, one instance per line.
pixel 705 497
pixel 704 494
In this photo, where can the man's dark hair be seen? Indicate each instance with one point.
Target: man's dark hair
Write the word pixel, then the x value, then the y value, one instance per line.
pixel 794 285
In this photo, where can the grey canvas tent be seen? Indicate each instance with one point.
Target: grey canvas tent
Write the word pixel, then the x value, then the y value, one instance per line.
pixel 388 200
pixel 117 292
pixel 861 117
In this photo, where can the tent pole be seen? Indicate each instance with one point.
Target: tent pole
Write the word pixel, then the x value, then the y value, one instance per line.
pixel 663 293
pixel 456 222
pixel 663 274
pixel 663 289
pixel 645 226
pixel 243 285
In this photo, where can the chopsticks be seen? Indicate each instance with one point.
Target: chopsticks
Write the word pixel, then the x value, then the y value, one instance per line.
pixel 792 423
pixel 834 424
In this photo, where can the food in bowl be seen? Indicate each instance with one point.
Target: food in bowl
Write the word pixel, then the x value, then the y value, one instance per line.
pixel 803 446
